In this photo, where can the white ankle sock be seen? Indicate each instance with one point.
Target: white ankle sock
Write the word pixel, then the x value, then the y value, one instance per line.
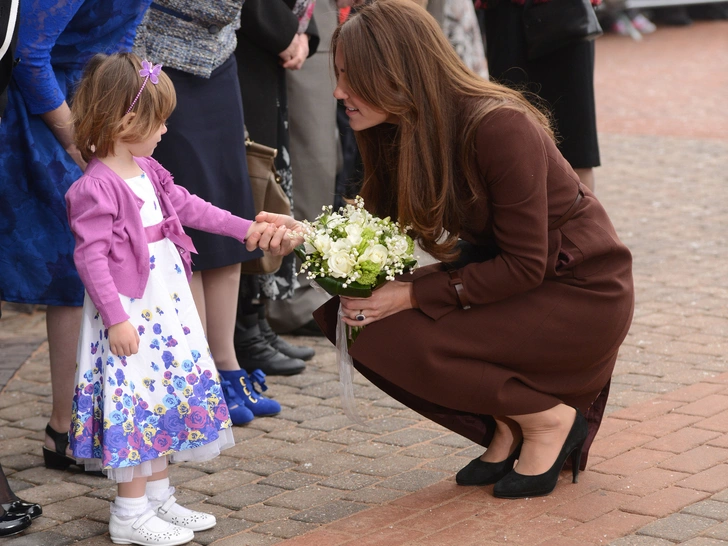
pixel 129 508
pixel 159 491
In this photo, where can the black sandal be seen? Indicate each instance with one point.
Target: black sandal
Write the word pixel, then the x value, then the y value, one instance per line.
pixel 57 460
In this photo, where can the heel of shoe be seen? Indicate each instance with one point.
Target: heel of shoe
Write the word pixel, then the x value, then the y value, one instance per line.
pixel 518 486
pixel 56 461
pixel 576 462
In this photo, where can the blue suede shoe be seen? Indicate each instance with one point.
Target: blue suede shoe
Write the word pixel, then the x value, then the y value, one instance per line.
pixel 239 413
pixel 252 398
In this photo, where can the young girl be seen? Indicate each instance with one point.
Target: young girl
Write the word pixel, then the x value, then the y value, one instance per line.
pixel 147 390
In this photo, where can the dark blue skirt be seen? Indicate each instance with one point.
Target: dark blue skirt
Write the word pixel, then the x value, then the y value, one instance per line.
pixel 36 244
pixel 204 149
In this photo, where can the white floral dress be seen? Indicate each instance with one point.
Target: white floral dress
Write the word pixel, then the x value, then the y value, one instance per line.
pixel 131 413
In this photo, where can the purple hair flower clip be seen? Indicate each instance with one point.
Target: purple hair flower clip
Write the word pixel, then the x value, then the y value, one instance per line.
pixel 148 72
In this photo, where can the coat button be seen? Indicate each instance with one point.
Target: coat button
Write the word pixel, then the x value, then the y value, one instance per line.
pixel 213 29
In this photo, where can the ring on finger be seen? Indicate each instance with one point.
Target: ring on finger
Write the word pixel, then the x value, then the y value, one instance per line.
pixel 360 316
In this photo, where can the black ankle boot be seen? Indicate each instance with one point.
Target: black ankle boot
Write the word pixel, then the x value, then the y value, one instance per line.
pixel 519 486
pixel 254 353
pixel 478 472
pixel 280 345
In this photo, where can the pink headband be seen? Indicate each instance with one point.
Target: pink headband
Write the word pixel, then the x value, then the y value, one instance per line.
pixel 148 72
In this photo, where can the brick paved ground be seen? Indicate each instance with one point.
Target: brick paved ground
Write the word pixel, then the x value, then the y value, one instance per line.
pixel 658 474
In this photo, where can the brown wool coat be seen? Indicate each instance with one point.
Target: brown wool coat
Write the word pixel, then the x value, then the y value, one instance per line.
pixel 548 312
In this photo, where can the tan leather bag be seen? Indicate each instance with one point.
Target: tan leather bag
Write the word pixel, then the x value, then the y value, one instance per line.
pixel 268 196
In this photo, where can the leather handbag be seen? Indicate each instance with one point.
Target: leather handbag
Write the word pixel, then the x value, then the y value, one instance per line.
pixel 268 195
pixel 553 24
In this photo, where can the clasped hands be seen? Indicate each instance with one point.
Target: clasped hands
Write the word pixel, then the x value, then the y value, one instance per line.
pixel 275 233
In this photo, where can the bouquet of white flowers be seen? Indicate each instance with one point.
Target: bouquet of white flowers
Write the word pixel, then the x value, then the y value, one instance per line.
pixel 350 253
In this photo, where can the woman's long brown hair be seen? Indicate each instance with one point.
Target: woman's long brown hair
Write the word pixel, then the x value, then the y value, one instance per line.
pixel 398 60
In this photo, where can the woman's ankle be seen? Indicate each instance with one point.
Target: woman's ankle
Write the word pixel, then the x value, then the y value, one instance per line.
pixel 543 436
pixel 506 438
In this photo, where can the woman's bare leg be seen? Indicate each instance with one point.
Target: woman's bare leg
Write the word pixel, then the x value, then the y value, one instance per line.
pixel 544 434
pixel 63 325
pixel 220 288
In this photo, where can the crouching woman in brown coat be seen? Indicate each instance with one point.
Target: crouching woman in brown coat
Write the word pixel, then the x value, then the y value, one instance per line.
pixel 511 340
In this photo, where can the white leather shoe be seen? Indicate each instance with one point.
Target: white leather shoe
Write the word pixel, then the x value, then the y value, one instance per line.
pixel 183 517
pixel 148 530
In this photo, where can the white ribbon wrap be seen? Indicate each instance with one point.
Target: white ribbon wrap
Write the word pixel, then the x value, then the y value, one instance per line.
pixel 346 365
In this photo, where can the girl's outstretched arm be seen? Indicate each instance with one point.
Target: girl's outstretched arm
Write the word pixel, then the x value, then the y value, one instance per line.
pixel 195 212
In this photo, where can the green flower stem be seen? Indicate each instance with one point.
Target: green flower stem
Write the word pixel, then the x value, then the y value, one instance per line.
pixel 352 332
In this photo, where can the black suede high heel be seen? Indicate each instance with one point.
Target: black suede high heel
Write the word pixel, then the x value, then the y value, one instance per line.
pixel 478 472
pixel 519 486
pixel 57 460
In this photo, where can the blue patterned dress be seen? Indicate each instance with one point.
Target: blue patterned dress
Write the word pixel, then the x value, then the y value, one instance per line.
pixel 55 39
pixel 131 413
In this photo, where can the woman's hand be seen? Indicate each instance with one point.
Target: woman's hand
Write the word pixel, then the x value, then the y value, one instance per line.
pixel 60 123
pixel 392 297
pixel 123 339
pixel 76 156
pixel 279 220
pixel 296 53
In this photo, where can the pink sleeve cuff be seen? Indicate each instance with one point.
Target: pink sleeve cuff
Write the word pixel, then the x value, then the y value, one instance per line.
pixel 113 313
pixel 237 227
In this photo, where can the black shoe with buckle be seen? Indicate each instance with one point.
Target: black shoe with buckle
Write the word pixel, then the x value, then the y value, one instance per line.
pixel 11 524
pixel 20 507
pixel 255 353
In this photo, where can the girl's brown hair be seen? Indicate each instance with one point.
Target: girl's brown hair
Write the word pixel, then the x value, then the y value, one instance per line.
pixel 398 60
pixel 104 94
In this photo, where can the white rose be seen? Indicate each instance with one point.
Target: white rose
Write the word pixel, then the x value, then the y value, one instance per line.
pixel 308 248
pixel 376 254
pixel 353 232
pixel 340 264
pixel 322 243
pixel 341 245
pixel 399 245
